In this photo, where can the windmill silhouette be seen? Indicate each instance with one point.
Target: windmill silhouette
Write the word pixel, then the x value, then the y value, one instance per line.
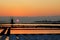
pixel 12 22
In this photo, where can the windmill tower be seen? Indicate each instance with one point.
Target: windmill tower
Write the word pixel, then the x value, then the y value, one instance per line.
pixel 11 21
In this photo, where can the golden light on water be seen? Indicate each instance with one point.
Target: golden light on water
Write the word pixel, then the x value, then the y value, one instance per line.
pixel 35 31
pixel 32 30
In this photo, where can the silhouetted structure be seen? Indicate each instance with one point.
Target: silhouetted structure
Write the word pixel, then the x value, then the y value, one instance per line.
pixel 12 21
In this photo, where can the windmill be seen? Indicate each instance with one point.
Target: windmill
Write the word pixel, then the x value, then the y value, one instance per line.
pixel 11 21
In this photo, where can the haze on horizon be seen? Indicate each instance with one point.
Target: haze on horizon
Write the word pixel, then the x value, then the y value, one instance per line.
pixel 29 7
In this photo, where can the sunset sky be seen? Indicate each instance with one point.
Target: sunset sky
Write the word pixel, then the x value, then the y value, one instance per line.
pixel 29 7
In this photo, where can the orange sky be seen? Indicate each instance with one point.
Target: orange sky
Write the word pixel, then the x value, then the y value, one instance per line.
pixel 29 7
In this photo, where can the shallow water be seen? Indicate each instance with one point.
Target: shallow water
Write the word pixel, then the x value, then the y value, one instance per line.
pixel 30 37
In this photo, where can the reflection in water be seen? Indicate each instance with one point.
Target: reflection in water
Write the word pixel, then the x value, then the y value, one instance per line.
pixel 16 33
